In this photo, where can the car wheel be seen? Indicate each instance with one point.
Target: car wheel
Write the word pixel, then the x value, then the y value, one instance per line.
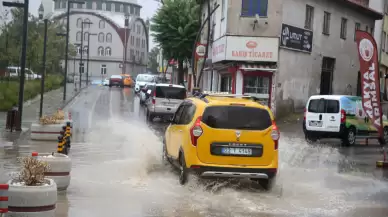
pixel 310 138
pixel 182 170
pixel 350 137
pixel 165 158
pixel 150 116
pixel 384 140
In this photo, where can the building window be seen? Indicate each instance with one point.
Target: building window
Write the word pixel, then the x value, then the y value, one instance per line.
pixel 79 23
pixel 64 4
pixel 250 8
pixel 137 11
pixel 78 36
pixel 86 36
pixel 108 6
pixel 344 28
pixel 89 4
pixel 309 20
pixel 85 49
pixel 87 23
pixel 383 41
pixel 109 38
pixel 222 9
pixel 101 24
pixel 131 10
pixel 142 56
pixel 108 51
pixel 103 69
pixel 78 50
pixel 81 68
pixel 132 40
pixel 356 27
pixel 101 37
pixel 100 51
pixel 326 23
pixel 122 8
pixel 57 5
pixel 99 5
pixel 132 52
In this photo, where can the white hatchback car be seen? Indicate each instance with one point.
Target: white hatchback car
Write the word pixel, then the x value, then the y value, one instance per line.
pixel 165 100
pixel 142 80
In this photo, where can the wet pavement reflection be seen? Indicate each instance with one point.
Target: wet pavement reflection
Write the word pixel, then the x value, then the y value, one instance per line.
pixel 117 170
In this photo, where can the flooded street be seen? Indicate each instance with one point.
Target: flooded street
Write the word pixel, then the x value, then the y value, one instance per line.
pixel 117 170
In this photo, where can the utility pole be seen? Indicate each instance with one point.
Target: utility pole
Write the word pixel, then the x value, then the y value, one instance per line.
pixel 87 60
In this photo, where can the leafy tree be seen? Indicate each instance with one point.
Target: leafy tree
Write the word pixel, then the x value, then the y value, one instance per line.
pixel 11 38
pixel 152 59
pixel 174 28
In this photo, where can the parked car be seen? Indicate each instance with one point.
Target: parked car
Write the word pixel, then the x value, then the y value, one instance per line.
pixel 164 100
pixel 337 116
pixel 15 71
pixel 106 82
pixel 142 80
pixel 116 80
pixel 223 136
pixel 143 95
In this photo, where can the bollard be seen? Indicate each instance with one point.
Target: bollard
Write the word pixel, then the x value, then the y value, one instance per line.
pixel 64 143
pixel 3 198
pixel 384 162
pixel 68 133
pixel 60 144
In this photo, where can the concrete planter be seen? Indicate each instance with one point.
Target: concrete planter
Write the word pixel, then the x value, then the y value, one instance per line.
pixel 32 201
pixel 60 168
pixel 48 132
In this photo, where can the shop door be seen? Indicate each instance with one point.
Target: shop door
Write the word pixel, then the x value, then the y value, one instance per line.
pixel 226 84
pixel 258 86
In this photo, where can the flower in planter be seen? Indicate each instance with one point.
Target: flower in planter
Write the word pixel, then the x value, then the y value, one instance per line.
pixel 32 173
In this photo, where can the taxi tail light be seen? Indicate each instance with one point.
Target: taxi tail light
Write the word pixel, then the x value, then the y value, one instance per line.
pixel 275 134
pixel 343 116
pixel 196 131
pixel 154 98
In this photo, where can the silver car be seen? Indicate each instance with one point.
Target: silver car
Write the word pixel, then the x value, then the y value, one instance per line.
pixel 164 101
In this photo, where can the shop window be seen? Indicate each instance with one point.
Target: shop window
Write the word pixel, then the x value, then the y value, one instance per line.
pixel 257 85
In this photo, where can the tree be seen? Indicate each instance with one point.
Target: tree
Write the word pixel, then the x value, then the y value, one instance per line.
pixel 11 37
pixel 152 59
pixel 174 28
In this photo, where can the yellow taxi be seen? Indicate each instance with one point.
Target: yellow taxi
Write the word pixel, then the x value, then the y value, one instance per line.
pixel 128 81
pixel 223 135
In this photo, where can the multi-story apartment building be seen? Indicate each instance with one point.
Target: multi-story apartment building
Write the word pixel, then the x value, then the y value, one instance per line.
pixel 284 51
pixel 118 46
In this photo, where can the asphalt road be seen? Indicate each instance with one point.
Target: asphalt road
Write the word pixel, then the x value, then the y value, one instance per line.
pixel 117 171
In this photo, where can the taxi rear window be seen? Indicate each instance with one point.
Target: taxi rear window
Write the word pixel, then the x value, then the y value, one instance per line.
pixel 236 117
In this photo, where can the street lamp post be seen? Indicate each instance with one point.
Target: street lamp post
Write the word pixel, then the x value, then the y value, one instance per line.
pixel 67 41
pixel 82 51
pixel 43 74
pixel 125 42
pixel 87 60
pixel 25 6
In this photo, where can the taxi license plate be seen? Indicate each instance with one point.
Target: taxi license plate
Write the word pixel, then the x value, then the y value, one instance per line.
pixel 236 151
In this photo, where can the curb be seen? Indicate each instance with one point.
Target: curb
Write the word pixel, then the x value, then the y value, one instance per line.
pixel 72 98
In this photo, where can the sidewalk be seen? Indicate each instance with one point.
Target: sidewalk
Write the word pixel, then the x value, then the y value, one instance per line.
pixel 51 102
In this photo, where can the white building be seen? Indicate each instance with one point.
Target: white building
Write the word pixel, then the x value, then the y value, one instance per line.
pixel 284 51
pixel 107 53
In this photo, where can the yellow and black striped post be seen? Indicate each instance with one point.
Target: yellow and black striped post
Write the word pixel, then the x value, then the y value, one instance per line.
pixel 61 144
pixel 68 133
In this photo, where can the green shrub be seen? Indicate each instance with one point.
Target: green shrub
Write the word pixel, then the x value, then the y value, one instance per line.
pixel 9 90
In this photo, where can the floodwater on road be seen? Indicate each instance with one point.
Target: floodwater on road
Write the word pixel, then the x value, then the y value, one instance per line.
pixel 117 170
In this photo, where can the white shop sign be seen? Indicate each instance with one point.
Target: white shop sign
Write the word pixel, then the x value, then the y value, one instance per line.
pixel 250 49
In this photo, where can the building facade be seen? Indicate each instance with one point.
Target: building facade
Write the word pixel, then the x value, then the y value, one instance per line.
pixel 118 37
pixel 284 51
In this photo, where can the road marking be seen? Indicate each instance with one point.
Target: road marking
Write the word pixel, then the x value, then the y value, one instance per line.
pixel 93 107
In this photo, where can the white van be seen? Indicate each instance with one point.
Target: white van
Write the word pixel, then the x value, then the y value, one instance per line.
pixel 164 101
pixel 14 71
pixel 338 116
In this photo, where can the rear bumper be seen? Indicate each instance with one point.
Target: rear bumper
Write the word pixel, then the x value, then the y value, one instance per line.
pixel 326 134
pixel 227 172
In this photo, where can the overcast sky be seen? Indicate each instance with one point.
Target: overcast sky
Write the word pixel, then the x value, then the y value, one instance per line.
pixel 148 10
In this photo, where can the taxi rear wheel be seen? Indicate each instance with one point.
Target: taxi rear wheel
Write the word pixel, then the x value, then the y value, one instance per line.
pixel 182 170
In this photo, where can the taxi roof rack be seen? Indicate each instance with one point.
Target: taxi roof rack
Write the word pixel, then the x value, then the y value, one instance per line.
pixel 203 95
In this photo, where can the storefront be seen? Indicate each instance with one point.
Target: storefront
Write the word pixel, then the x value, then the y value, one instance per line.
pixel 247 65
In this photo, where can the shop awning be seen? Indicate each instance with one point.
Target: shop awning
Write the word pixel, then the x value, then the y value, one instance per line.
pixel 256 67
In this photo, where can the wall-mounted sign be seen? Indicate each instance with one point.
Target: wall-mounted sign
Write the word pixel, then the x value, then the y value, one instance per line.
pixel 296 38
pixel 240 48
pixel 200 51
